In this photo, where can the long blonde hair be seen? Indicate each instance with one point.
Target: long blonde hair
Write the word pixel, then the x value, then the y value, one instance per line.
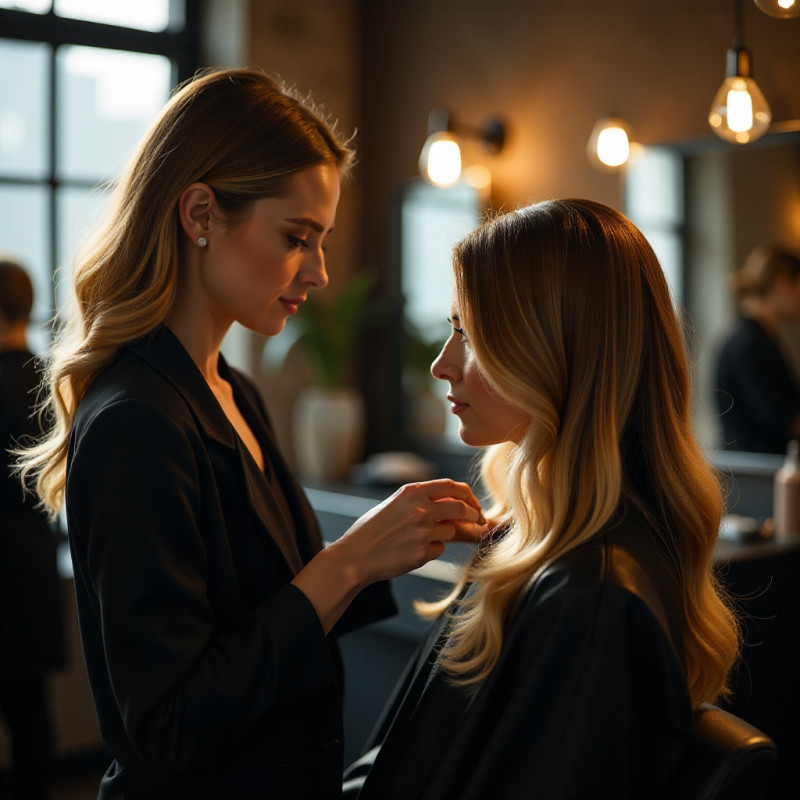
pixel 240 132
pixel 570 318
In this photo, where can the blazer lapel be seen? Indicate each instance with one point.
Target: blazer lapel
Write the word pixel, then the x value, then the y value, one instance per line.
pixel 164 352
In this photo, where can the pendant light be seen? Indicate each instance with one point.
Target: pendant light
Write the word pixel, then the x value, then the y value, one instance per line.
pixel 784 9
pixel 739 112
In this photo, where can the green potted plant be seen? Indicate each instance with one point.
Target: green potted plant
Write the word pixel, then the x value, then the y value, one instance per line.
pixel 329 417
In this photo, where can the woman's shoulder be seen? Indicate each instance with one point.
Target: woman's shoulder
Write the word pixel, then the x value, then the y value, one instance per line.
pixel 130 380
pixel 623 572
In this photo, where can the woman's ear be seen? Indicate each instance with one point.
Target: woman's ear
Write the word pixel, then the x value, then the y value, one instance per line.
pixel 196 210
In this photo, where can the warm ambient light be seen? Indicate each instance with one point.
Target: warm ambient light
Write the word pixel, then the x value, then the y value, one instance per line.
pixel 785 9
pixel 739 112
pixel 440 160
pixel 612 147
pixel 609 145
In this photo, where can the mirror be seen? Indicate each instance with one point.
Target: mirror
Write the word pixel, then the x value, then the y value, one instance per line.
pixel 431 220
pixel 717 203
pixel 702 205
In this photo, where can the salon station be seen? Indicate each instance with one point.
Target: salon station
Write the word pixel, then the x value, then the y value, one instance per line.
pixel 684 116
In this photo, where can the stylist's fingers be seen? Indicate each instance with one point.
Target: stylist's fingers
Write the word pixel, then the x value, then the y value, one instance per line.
pixel 457 510
pixel 471 532
pixel 442 531
pixel 445 487
pixel 435 549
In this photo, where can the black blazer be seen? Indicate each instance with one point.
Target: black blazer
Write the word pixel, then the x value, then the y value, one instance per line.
pixel 588 699
pixel 211 674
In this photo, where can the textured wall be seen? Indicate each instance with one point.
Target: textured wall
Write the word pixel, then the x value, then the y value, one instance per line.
pixel 550 67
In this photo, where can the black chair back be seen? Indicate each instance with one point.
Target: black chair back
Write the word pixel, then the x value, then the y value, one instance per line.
pixel 728 759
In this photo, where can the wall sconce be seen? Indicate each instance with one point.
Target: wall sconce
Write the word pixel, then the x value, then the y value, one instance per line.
pixel 609 145
pixel 739 112
pixel 785 9
pixel 440 159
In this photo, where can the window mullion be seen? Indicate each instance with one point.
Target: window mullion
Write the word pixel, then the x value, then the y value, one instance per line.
pixel 53 176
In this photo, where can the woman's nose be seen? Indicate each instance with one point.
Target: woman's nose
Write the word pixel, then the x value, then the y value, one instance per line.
pixel 313 273
pixel 443 367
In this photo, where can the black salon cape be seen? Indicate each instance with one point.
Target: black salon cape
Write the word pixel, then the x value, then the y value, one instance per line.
pixel 211 674
pixel 588 699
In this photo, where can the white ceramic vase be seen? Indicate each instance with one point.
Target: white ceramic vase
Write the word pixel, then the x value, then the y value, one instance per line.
pixel 328 432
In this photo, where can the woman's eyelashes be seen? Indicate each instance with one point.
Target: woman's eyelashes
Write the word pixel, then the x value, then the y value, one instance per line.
pixel 296 242
pixel 460 331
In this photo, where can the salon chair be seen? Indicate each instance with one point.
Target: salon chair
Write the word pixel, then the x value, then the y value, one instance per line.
pixel 727 759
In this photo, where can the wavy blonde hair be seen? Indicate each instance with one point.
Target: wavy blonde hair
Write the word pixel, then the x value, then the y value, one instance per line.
pixel 240 132
pixel 570 318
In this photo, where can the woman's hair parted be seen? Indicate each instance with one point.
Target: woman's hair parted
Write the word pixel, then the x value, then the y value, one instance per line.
pixel 239 131
pixel 570 318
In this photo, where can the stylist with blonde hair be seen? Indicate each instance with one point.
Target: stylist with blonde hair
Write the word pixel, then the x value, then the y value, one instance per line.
pixel 206 601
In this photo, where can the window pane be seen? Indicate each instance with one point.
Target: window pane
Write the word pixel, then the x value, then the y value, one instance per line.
pixel 24 117
pixel 654 186
pixel 106 100
pixel 432 221
pixel 34 6
pixel 145 15
pixel 24 220
pixel 79 211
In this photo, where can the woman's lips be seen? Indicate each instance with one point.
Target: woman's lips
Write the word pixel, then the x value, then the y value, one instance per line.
pixel 291 304
pixel 456 406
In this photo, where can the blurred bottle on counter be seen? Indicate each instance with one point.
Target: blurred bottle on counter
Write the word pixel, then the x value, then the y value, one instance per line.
pixel 787 494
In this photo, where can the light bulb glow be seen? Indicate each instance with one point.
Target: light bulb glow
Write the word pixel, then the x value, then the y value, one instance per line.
pixel 440 161
pixel 613 148
pixel 783 9
pixel 609 145
pixel 739 112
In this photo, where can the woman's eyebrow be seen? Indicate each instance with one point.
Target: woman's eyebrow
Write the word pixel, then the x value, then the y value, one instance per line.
pixel 454 318
pixel 312 223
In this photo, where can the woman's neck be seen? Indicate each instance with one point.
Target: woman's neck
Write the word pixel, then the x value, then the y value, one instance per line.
pixel 201 341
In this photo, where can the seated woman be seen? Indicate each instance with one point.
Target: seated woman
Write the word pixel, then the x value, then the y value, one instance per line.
pixel 568 659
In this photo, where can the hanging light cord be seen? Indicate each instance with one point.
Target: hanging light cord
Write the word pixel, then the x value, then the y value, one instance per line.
pixel 738 25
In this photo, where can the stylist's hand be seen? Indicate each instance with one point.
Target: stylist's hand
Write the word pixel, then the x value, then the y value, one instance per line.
pixel 410 528
pixel 400 534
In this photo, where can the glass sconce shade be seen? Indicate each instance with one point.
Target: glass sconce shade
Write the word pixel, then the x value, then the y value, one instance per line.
pixel 784 9
pixel 739 112
pixel 609 144
pixel 440 159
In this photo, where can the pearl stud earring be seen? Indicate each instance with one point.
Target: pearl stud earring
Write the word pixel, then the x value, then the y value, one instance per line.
pixel 202 241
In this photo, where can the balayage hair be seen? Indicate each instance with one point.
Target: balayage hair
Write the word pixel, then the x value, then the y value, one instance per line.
pixel 570 318
pixel 240 132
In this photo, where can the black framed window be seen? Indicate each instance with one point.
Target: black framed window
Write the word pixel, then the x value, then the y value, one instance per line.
pixel 80 81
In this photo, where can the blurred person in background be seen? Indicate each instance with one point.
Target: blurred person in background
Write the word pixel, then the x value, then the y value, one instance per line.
pixel 31 635
pixel 757 395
